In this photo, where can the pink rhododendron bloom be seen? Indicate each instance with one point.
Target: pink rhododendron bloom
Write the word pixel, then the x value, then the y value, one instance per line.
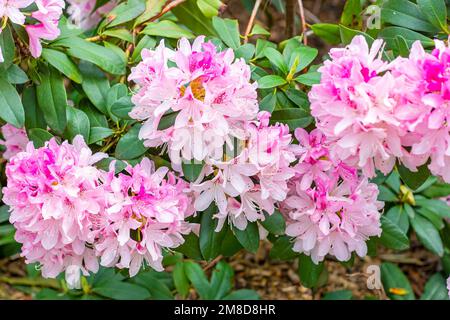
pixel 84 14
pixel 355 107
pixel 146 212
pixel 15 140
pixel 427 76
pixel 47 15
pixel 330 209
pixel 208 93
pixel 257 176
pixel 11 9
pixel 55 200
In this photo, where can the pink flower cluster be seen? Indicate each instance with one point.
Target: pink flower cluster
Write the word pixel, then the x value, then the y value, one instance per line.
pixel 68 213
pixel 374 112
pixel 43 23
pixel 15 140
pixel 247 185
pixel 207 92
pixel 330 209
pixel 84 14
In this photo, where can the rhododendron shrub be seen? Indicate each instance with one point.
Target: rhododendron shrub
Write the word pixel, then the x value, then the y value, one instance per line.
pixel 143 144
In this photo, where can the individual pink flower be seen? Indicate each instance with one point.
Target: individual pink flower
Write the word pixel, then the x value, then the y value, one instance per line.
pixel 15 140
pixel 329 209
pixel 207 93
pixel 55 200
pixel 428 80
pixel 146 214
pixel 84 14
pixel 355 107
pixel 11 9
pixel 47 15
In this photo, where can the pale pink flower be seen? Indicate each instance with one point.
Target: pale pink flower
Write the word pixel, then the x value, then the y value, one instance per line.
pixel 15 140
pixel 48 14
pixel 84 14
pixel 11 9
pixel 208 93
pixel 55 200
pixel 355 107
pixel 329 208
pixel 146 214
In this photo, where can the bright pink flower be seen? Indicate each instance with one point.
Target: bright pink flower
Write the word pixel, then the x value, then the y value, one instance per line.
pixel 355 107
pixel 15 140
pixel 11 9
pixel 208 93
pixel 329 208
pixel 55 200
pixel 146 214
pixel 48 14
pixel 83 13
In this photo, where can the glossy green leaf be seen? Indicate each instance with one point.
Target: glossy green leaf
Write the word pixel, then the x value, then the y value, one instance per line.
pixel 228 31
pixel 11 108
pixel 168 29
pixel 61 62
pixel 130 146
pixel 395 283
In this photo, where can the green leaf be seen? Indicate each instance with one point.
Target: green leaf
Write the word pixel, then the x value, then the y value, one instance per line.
pixel 157 288
pixel 52 99
pixel 77 123
pixel 246 51
pixel 16 75
pixel 124 12
pixel 61 62
pixel 327 31
pixel 404 13
pixel 168 29
pixel 221 281
pixel 427 234
pixel 385 194
pixel 389 34
pixel 348 34
pixel 4 213
pixel 121 291
pixel 180 279
pixel 270 81
pixel 106 58
pixel 437 190
pixel 198 279
pixel 243 294
pixel 269 102
pixel 274 223
pixel 98 134
pixel 294 117
pixel 189 14
pixel 152 8
pixel 299 98
pixel 191 247
pixel 435 11
pixel 228 31
pixel 39 136
pixel 259 30
pixel 130 146
pixel 439 207
pixel 393 236
pixel 395 283
pixel 351 15
pixel 116 92
pixel 122 34
pixel 209 8
pixel 306 55
pixel 414 179
pixel 192 170
pixel 248 238
pixel 309 78
pixel 230 245
pixel 11 108
pixel 8 46
pixel 96 86
pixel 399 217
pixel 146 42
pixel 276 59
pixel 261 46
pixel 435 288
pixel 282 249
pixel 210 240
pixel 338 295
pixel 122 107
pixel 308 271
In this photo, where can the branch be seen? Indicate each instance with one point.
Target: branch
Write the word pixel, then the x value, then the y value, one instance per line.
pixel 252 19
pixel 302 17
pixel 32 282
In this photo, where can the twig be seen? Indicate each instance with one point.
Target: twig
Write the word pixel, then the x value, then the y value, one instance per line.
pixel 212 263
pixel 252 19
pixel 302 17
pixel 37 282
pixel 167 8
